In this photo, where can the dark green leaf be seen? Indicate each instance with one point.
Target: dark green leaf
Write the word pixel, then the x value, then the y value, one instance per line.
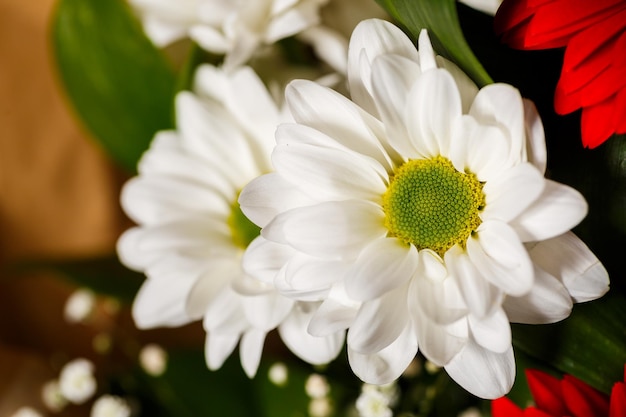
pixel 119 84
pixel 590 344
pixel 441 19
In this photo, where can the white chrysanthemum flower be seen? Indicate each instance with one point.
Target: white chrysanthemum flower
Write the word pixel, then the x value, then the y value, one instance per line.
pixel 26 412
pixel 236 28
pixel 52 397
pixel 373 403
pixel 110 406
pixel 191 234
pixel 79 305
pixel 76 380
pixel 418 212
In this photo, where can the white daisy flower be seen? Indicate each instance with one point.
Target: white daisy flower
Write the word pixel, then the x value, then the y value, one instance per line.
pixel 76 380
pixel 236 28
pixel 418 212
pixel 191 234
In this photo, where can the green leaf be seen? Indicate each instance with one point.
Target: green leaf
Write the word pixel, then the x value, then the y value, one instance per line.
pixel 104 275
pixel 590 344
pixel 441 19
pixel 119 84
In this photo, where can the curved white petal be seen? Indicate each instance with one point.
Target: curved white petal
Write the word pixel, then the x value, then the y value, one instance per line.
pixel 337 117
pixel 492 332
pixel 557 210
pixel 483 373
pixel 225 314
pixel 332 316
pixel 433 105
pixel 501 258
pixel 129 252
pixel 382 266
pixel 480 296
pixel 392 77
pixel 548 301
pixel 266 196
pixel 501 104
pixel 511 192
pixel 434 293
pixel 218 347
pixel 266 311
pixel 331 230
pixel 567 258
pixel 250 350
pixel 387 365
pixel 329 174
pixel 467 88
pixel 536 139
pixel 439 343
pixel 370 39
pixel 312 349
pixel 308 278
pixel 379 322
pixel 263 259
pixel 220 272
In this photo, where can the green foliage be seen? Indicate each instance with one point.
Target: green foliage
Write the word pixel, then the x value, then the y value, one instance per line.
pixel 119 84
pixel 441 19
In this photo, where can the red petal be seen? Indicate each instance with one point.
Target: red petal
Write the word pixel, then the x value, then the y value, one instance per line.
pixel 503 407
pixel 582 400
pixel 597 123
pixel 618 400
pixel 534 412
pixel 546 391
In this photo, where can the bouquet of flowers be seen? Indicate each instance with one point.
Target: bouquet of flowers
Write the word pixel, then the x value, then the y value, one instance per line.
pixel 392 208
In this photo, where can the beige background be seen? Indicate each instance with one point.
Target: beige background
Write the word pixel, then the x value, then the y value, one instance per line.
pixel 58 198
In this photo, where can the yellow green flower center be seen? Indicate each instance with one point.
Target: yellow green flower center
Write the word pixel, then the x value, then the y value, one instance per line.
pixel 432 205
pixel 242 230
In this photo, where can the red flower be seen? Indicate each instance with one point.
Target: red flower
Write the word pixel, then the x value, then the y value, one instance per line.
pixel 593 76
pixel 567 397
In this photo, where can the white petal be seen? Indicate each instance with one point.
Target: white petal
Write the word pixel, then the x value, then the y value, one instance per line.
pixel 370 39
pixel 250 350
pixel 425 50
pixel 501 258
pixel 547 302
pixel 433 105
pixel 536 148
pixel 266 196
pixel 439 343
pixel 308 278
pixel 220 272
pixel 218 347
pixel 210 39
pixel 292 21
pixel 263 259
pixel 331 230
pixel 466 86
pixel 329 174
pixel 570 260
pixel 331 317
pixel 481 149
pixel 266 311
pixel 501 104
pixel 379 322
pixel 558 209
pixel 392 77
pixel 512 192
pixel 337 117
pixel 129 252
pixel 480 296
pixel 492 332
pixel 483 373
pixel 225 313
pixel 382 266
pixel 387 365
pixel 312 349
pixel 329 45
pixel 435 294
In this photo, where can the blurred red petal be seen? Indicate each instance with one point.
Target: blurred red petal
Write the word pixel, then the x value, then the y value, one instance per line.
pixel 503 407
pixel 546 391
pixel 582 400
pixel 618 400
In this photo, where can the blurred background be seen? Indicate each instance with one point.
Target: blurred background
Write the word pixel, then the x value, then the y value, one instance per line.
pixel 58 199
